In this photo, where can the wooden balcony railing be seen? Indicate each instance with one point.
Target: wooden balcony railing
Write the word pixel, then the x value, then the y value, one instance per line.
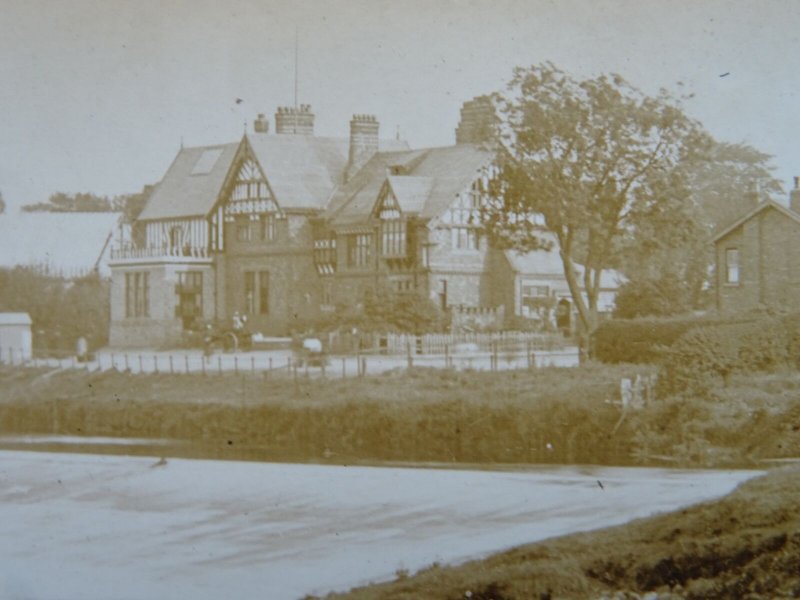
pixel 133 253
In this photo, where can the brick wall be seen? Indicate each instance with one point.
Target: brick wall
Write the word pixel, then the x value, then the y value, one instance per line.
pixel 294 286
pixel 769 250
pixel 162 326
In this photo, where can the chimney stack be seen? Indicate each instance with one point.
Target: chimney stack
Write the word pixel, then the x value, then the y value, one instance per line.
pixel 261 124
pixel 794 196
pixel 363 142
pixel 296 121
pixel 478 121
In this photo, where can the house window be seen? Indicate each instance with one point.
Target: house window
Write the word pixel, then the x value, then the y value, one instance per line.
pixel 464 238
pixel 243 230
pixel 732 265
pixel 268 227
pixel 325 255
pixel 190 298
pixel 359 250
pixel 137 295
pixel 533 299
pixel 263 292
pixel 249 292
pixel 393 237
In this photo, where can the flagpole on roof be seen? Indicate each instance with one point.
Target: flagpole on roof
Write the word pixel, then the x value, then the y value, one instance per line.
pixel 295 76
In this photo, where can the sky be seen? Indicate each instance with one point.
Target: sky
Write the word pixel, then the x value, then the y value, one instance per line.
pixel 97 96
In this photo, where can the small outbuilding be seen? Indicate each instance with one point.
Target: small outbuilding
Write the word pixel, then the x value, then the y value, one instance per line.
pixel 15 338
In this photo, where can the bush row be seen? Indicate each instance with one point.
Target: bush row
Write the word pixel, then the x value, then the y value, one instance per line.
pixel 705 357
pixel 640 341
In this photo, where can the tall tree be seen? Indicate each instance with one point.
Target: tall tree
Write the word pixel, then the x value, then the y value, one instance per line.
pixel 2 204
pixel 588 161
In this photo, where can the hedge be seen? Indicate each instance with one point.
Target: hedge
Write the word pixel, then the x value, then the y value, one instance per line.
pixel 640 340
pixel 704 357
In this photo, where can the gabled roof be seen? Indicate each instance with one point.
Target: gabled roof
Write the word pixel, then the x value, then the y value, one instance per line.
pixel 191 184
pixel 302 171
pixel 752 213
pixel 428 180
pixel 411 192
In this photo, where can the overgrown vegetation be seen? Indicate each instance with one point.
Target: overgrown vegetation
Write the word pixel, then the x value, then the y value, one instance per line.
pixel 547 415
pixel 61 310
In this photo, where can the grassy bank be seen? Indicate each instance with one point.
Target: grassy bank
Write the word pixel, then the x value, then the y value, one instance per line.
pixel 424 415
pixel 746 545
pixel 547 415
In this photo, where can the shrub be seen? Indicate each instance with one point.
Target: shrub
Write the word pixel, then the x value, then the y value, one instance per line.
pixel 640 340
pixel 706 356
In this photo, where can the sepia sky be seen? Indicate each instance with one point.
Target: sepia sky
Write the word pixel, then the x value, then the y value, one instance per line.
pixel 95 95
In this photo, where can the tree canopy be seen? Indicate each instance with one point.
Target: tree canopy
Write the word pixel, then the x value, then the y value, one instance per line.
pixel 590 161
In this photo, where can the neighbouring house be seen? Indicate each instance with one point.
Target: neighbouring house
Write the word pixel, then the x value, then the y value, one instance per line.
pixel 283 227
pixel 757 258
pixel 61 244
pixel 531 285
pixel 15 337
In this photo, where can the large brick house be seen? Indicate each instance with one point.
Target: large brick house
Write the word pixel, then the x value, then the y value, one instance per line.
pixel 757 258
pixel 282 227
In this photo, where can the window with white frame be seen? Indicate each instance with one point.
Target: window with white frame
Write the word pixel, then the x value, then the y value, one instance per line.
pixel 732 265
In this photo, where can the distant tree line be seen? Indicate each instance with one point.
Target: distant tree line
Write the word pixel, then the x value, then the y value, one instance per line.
pixel 128 204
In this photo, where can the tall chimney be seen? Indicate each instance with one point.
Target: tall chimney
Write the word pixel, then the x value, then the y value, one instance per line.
pixel 363 142
pixel 261 124
pixel 794 196
pixel 478 121
pixel 297 121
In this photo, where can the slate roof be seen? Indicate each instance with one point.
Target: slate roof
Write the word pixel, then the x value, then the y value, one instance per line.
pixel 183 194
pixel 302 171
pixel 67 243
pixel 427 181
pixel 412 192
pixel 752 213
pixel 547 263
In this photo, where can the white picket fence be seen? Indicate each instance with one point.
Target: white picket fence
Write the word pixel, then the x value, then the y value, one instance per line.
pixel 447 343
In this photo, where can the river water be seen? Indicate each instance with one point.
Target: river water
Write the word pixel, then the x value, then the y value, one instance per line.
pixel 111 526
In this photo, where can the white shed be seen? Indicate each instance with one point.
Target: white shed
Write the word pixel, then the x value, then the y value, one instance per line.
pixel 15 337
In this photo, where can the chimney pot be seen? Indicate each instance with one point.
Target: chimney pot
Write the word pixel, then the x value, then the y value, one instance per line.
pixel 261 124
pixel 291 120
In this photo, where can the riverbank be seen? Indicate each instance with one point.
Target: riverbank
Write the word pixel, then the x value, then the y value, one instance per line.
pixel 547 415
pixel 746 545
